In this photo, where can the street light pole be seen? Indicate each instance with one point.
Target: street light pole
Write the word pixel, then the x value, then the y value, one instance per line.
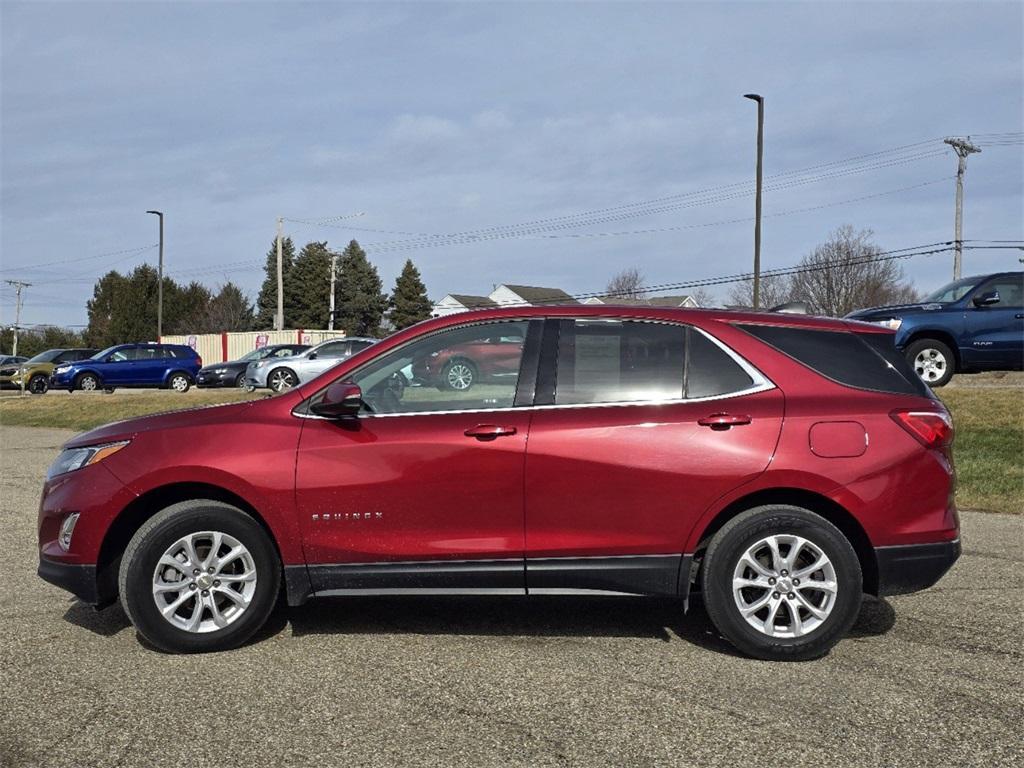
pixel 160 280
pixel 757 201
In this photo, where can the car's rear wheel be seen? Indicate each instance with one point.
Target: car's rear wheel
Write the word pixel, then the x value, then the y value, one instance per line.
pixel 179 382
pixel 932 360
pixel 199 576
pixel 281 379
pixel 87 382
pixel 459 375
pixel 38 384
pixel 781 583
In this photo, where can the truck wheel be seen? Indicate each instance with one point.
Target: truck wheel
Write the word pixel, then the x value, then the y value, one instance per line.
pixel 781 583
pixel 199 576
pixel 932 360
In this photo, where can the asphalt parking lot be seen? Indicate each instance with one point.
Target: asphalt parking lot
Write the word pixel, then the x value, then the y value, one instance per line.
pixel 928 679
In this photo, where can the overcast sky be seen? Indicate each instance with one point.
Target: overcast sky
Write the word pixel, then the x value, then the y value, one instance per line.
pixel 440 119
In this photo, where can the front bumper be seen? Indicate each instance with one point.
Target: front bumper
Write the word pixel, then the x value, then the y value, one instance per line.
pixel 79 580
pixel 913 567
pixel 211 379
pixel 64 381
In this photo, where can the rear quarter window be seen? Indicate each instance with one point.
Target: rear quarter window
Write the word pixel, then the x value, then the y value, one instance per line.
pixel 860 360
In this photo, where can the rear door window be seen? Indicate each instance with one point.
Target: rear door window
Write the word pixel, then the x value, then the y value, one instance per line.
pixel 859 360
pixel 602 361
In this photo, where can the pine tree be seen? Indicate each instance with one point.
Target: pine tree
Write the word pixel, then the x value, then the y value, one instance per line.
pixel 229 310
pixel 409 303
pixel 309 286
pixel 266 303
pixel 359 301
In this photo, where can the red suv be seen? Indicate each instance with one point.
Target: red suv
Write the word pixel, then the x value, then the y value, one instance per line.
pixel 780 465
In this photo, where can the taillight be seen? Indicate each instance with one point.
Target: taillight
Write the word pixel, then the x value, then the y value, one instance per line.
pixel 930 428
pixel 199 359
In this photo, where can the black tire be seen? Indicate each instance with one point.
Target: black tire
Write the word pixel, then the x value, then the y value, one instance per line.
pixel 240 380
pixel 87 382
pixel 723 555
pixel 932 360
pixel 108 390
pixel 467 375
pixel 282 379
pixel 139 564
pixel 38 384
pixel 179 381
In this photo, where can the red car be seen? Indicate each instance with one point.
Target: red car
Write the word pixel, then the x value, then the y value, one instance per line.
pixel 480 361
pixel 781 465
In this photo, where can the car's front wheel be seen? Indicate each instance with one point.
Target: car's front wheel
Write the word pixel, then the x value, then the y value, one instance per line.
pixel 932 360
pixel 281 379
pixel 781 583
pixel 199 576
pixel 87 382
pixel 38 384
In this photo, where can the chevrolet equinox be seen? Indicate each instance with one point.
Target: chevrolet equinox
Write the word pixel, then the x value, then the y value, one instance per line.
pixel 780 465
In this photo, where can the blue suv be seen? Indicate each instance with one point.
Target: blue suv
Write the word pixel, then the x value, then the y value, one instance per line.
pixel 973 324
pixel 172 366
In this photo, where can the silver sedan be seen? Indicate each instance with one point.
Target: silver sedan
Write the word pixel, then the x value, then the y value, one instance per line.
pixel 281 373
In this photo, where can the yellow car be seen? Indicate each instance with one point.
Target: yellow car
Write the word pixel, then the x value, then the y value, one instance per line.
pixel 35 371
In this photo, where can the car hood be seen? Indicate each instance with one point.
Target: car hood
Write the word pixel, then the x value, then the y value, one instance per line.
pixel 191 417
pixel 895 310
pixel 235 364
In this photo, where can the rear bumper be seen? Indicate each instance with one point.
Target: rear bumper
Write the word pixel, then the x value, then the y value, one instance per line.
pixel 913 567
pixel 79 580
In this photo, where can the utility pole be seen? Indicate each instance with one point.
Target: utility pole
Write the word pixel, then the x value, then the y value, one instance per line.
pixel 757 200
pixel 160 281
pixel 279 317
pixel 963 148
pixel 19 285
pixel 334 270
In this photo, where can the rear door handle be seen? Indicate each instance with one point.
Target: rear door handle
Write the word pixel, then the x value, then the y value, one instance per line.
pixel 489 431
pixel 722 421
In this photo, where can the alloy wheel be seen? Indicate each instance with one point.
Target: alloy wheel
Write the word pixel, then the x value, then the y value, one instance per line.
pixel 460 376
pixel 204 581
pixel 784 586
pixel 179 384
pixel 930 364
pixel 281 380
pixel 87 384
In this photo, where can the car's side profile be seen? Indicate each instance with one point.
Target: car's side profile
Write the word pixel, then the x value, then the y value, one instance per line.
pixel 461 366
pixel 780 465
pixel 282 373
pixel 972 324
pixel 34 374
pixel 170 366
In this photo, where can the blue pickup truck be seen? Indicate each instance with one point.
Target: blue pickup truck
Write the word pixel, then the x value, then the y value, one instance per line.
pixel 972 324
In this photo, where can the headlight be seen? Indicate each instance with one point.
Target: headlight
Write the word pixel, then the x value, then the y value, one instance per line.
pixel 62 369
pixel 220 370
pixel 76 458
pixel 261 363
pixel 893 323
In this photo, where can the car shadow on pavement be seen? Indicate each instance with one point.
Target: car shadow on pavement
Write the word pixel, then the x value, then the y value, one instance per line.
pixel 107 622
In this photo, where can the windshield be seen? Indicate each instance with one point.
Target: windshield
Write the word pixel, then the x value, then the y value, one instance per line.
pixel 256 354
pixel 103 353
pixel 954 291
pixel 45 357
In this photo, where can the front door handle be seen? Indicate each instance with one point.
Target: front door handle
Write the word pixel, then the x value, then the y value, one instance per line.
pixel 723 421
pixel 489 431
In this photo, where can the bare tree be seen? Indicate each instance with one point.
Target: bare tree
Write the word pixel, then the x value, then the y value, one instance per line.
pixel 704 297
pixel 774 290
pixel 627 284
pixel 846 273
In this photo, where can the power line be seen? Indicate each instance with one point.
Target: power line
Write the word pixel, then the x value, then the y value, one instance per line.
pixel 139 249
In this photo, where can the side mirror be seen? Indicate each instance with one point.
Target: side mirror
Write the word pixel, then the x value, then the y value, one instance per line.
pixel 986 299
pixel 312 356
pixel 342 398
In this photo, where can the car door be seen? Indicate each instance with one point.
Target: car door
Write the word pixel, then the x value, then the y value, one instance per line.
pixel 323 358
pixel 640 429
pixel 994 332
pixel 424 489
pixel 118 368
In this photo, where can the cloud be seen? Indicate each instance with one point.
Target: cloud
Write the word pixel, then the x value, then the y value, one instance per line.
pixel 424 129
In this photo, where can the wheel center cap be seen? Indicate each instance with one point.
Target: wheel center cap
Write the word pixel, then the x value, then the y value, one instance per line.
pixel 784 585
pixel 204 581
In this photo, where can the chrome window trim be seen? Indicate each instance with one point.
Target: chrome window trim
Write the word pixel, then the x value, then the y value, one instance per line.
pixel 761 383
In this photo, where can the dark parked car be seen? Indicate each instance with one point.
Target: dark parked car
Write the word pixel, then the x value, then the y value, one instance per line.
pixel 12 359
pixel 232 373
pixel 782 465
pixel 172 366
pixel 973 324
